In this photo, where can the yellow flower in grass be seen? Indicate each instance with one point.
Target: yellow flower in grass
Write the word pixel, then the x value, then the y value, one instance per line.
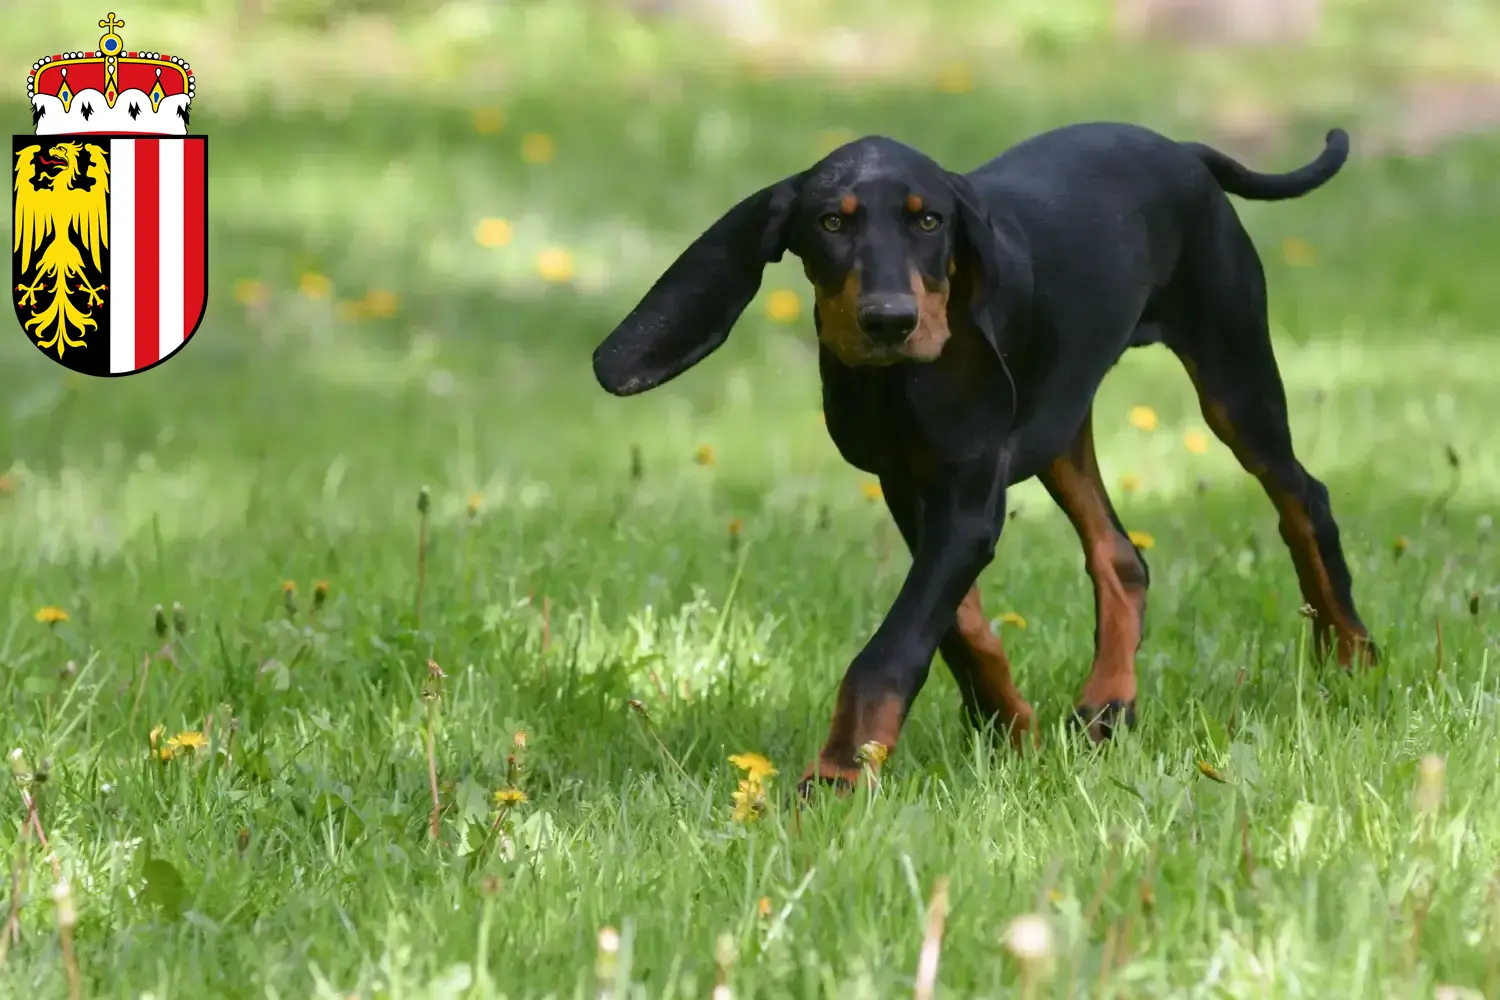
pixel 955 78
pixel 288 586
pixel 755 766
pixel 1011 618
pixel 1143 417
pixel 315 286
pixel 492 233
pixel 380 303
pixel 189 741
pixel 783 305
pixel 51 614
pixel 1142 540
pixel 871 491
pixel 488 121
pixel 249 292
pixel 750 795
pixel 872 753
pixel 704 455
pixel 1130 483
pixel 1195 441
pixel 555 265
pixel 833 138
pixel 749 801
pixel 1298 252
pixel 538 147
pixel 510 797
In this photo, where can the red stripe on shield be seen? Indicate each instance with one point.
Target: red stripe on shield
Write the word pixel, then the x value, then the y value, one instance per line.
pixel 194 235
pixel 147 250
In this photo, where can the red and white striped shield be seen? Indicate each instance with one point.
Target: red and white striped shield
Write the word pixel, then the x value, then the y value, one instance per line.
pixel 110 256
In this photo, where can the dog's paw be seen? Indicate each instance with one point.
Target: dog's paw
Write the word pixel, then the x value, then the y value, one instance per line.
pixel 1101 722
pixel 839 780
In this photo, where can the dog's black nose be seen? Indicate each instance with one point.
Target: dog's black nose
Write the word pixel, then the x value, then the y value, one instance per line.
pixel 888 319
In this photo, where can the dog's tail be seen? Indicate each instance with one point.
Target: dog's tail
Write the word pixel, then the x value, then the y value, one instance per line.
pixel 1237 179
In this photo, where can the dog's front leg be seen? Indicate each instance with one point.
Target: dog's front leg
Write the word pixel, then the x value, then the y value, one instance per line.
pixel 961 512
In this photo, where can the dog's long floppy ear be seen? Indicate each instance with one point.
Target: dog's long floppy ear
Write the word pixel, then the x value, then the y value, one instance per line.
pixel 997 263
pixel 690 310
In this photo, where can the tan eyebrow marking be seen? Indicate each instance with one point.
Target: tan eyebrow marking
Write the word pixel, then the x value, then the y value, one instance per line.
pixel 914 203
pixel 848 204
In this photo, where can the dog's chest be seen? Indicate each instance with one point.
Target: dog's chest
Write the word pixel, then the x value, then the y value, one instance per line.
pixel 910 418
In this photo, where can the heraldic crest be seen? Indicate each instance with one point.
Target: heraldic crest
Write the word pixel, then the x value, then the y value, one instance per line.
pixel 110 252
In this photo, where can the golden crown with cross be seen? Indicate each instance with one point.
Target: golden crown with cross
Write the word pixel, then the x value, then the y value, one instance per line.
pixel 110 90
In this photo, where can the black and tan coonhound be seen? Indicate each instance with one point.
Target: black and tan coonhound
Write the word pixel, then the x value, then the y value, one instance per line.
pixel 965 322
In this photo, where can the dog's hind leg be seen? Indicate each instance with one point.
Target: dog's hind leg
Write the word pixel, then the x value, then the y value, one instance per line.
pixel 1120 578
pixel 1224 342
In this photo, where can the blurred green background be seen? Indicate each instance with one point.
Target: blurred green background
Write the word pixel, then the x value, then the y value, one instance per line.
pixel 424 216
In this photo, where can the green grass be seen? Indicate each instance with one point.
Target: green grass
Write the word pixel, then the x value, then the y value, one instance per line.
pixel 286 444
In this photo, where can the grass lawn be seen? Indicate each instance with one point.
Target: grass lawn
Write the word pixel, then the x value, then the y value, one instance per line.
pixel 1264 833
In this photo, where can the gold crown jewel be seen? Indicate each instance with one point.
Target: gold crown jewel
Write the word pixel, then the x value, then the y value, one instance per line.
pixel 110 88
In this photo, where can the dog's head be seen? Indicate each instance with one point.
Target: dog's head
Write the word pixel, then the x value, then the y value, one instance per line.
pixel 885 235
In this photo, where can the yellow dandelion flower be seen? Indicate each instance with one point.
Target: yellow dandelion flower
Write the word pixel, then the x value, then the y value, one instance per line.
pixel 380 303
pixel 555 265
pixel 784 305
pixel 955 78
pixel 735 527
pixel 871 491
pixel 755 766
pixel 537 147
pixel 833 138
pixel 492 233
pixel 749 801
pixel 510 797
pixel 288 586
pixel 1130 482
pixel 519 739
pixel 155 734
pixel 1298 252
pixel 315 286
pixel 1210 772
pixel 488 121
pixel 1143 417
pixel 873 753
pixel 764 906
pixel 475 500
pixel 187 741
pixel 1011 618
pixel 249 292
pixel 704 455
pixel 1142 540
pixel 1195 441
pixel 51 614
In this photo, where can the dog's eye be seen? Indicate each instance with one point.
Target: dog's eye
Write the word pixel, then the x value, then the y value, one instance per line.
pixel 929 222
pixel 832 223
